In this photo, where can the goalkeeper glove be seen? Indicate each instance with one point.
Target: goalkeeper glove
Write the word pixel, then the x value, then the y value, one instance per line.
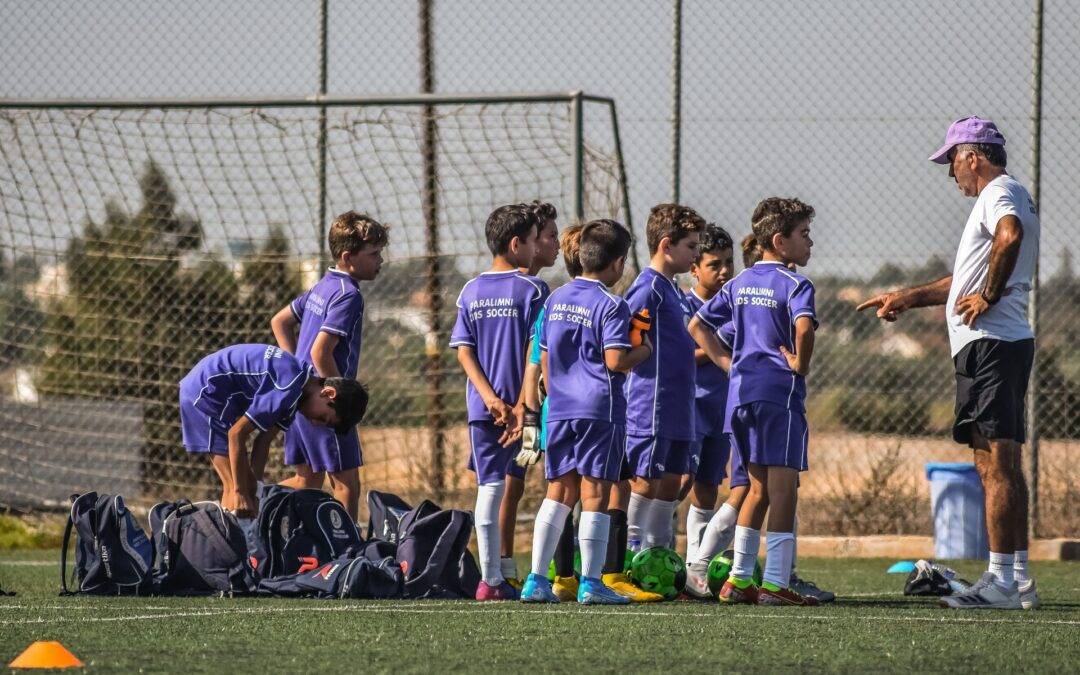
pixel 640 324
pixel 530 439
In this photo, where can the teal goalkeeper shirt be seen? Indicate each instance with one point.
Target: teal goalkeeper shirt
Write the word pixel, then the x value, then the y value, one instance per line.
pixel 534 357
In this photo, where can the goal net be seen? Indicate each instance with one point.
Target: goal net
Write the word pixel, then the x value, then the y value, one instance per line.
pixel 137 238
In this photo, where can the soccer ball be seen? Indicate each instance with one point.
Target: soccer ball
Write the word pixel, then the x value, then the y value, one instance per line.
pixel 659 570
pixel 720 568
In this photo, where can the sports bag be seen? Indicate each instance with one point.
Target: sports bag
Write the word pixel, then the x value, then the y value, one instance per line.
pixel 433 551
pixel 385 512
pixel 300 530
pixel 200 550
pixel 112 554
pixel 355 578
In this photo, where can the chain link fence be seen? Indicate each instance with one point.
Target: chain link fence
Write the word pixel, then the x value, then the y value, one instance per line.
pixel 135 240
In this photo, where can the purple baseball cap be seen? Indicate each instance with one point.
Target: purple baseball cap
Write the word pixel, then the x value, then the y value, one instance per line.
pixel 967 130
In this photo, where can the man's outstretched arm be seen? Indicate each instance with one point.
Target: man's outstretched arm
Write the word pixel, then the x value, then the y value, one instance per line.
pixel 892 304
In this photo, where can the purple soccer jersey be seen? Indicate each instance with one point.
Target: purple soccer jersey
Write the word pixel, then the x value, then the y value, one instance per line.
pixel 496 313
pixel 262 382
pixel 660 391
pixel 710 382
pixel 335 306
pixel 581 320
pixel 762 302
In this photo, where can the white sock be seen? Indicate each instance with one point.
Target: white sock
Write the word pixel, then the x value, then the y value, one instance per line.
pixel 488 500
pixel 718 534
pixel 508 567
pixel 660 523
pixel 1001 566
pixel 795 546
pixel 779 550
pixel 636 515
pixel 747 541
pixel 1020 566
pixel 550 520
pixel 593 538
pixel 696 522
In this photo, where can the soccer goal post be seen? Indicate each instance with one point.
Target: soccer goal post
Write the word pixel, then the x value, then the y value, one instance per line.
pixel 140 235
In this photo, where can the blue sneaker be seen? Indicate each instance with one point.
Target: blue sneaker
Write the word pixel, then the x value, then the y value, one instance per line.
pixel 594 592
pixel 537 588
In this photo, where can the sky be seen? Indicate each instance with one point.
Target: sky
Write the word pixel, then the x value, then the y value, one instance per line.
pixel 836 102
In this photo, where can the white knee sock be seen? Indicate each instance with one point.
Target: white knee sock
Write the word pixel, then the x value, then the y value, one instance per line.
pixel 550 520
pixel 747 541
pixel 593 539
pixel 696 522
pixel 659 524
pixel 1001 566
pixel 779 549
pixel 795 546
pixel 1020 566
pixel 636 515
pixel 488 500
pixel 508 567
pixel 718 534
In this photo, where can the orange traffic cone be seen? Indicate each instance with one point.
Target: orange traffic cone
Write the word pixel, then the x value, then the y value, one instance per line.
pixel 46 655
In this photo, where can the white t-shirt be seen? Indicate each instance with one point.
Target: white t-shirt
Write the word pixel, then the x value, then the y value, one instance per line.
pixel 1007 320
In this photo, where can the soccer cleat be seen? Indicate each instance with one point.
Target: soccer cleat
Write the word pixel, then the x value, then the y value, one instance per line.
pixel 621 584
pixel 537 589
pixel 486 592
pixel 697 581
pixel 734 595
pixel 565 588
pixel 515 582
pixel 985 594
pixel 808 589
pixel 1029 597
pixel 784 597
pixel 594 592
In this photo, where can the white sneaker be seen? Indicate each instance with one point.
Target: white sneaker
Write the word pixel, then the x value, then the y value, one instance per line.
pixel 697 581
pixel 985 594
pixel 1029 597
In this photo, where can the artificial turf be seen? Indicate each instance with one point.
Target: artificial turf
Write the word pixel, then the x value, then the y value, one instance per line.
pixel 871 628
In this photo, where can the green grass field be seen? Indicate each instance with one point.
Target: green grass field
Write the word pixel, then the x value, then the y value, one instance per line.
pixel 872 628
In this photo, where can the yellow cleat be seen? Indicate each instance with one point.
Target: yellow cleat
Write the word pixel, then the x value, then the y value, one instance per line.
pixel 621 584
pixel 565 588
pixel 516 583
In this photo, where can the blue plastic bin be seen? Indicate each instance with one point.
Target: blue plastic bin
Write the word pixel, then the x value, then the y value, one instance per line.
pixel 959 508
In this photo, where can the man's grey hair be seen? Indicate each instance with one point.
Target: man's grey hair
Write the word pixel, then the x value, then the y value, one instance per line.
pixel 993 152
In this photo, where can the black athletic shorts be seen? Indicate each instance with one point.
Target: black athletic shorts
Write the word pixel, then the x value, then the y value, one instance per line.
pixel 991 382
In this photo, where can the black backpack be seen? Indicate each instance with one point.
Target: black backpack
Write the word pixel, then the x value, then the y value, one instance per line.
pixel 112 554
pixel 359 577
pixel 385 512
pixel 200 550
pixel 300 530
pixel 433 550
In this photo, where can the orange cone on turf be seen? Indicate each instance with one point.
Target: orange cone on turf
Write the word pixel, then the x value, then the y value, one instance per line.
pixel 46 655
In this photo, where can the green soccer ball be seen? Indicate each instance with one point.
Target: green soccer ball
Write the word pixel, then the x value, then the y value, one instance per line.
pixel 720 568
pixel 659 570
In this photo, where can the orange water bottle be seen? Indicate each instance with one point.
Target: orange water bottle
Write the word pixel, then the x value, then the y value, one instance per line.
pixel 640 323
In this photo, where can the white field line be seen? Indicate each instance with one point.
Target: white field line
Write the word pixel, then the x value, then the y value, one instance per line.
pixel 29 563
pixel 946 616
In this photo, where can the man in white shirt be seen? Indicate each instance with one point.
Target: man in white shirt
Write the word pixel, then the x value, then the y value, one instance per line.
pixel 986 300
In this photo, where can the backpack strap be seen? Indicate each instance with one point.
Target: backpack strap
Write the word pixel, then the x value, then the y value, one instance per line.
pixel 64 553
pixel 219 544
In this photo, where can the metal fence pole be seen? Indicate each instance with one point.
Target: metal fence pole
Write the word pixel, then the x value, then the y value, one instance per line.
pixel 320 227
pixel 1033 305
pixel 676 99
pixel 433 286
pixel 577 121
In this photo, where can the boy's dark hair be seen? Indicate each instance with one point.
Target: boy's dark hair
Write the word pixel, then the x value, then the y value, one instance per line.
pixel 751 250
pixel 544 211
pixel 993 152
pixel 350 401
pixel 507 222
pixel 779 216
pixel 602 243
pixel 570 244
pixel 672 221
pixel 714 238
pixel 351 231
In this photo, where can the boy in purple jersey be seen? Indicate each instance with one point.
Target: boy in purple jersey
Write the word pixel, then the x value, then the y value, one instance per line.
pixel 585 354
pixel 660 392
pixel 710 451
pixel 772 311
pixel 496 313
pixel 255 389
pixel 330 317
pixel 547 250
